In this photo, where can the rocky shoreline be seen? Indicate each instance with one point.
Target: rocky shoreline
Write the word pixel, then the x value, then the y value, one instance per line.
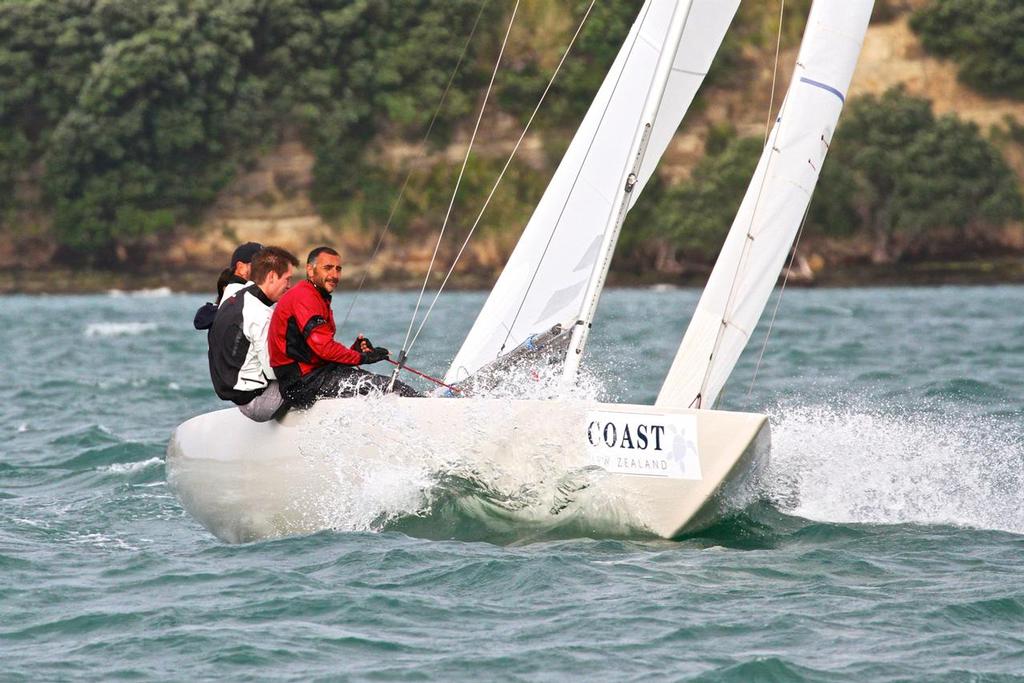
pixel 51 280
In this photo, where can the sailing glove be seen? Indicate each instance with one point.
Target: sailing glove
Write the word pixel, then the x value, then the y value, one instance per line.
pixel 362 344
pixel 376 355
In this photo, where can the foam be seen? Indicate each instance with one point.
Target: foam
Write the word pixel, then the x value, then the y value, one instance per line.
pixel 105 329
pixel 129 467
pixel 400 475
pixel 102 541
pixel 541 383
pixel 888 466
pixel 152 293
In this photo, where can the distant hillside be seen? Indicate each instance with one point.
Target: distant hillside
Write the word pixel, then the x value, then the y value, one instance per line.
pixel 283 190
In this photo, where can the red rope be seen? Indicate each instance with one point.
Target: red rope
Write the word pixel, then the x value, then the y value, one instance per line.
pixel 426 376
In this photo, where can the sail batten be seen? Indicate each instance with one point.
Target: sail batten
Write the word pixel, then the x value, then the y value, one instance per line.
pixel 574 212
pixel 773 208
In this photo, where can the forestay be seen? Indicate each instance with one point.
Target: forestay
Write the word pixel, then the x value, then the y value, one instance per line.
pixel 545 279
pixel 773 207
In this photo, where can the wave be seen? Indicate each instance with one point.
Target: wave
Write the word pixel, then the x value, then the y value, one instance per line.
pixel 888 466
pixel 131 467
pixel 109 457
pixel 101 541
pixel 86 436
pixel 152 293
pixel 436 487
pixel 93 330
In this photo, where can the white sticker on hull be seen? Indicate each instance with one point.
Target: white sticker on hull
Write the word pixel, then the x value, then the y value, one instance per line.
pixel 643 444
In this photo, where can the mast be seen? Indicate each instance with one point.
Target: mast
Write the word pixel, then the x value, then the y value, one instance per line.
pixel 613 227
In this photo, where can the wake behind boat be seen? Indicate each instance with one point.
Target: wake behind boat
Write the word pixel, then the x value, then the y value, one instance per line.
pixel 664 470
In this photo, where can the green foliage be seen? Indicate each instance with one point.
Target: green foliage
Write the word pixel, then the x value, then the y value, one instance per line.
pixel 985 37
pixel 142 110
pixel 428 195
pixel 895 173
pixel 584 69
pixel 957 179
pixel 149 137
pixel 885 11
pixel 46 49
pixel 135 114
pixel 833 211
pixel 757 25
pixel 904 171
pixel 720 136
pixel 866 161
pixel 374 72
pixel 694 216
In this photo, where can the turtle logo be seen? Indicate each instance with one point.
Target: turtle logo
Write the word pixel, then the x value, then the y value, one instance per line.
pixel 681 447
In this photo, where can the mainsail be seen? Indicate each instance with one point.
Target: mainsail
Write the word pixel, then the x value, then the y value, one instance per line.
pixel 773 207
pixel 546 277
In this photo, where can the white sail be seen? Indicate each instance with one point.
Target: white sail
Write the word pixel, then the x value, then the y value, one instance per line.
pixel 546 277
pixel 773 208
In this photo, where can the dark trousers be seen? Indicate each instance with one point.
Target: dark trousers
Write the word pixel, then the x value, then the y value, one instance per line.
pixel 338 381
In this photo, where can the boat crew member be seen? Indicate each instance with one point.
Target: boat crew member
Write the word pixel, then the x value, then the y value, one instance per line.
pixel 231 279
pixel 239 359
pixel 307 360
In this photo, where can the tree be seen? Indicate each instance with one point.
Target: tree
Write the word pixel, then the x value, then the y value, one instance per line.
pixel 46 49
pixel 691 219
pixel 151 133
pixel 985 37
pixel 592 54
pixel 141 111
pixel 904 172
pixel 384 66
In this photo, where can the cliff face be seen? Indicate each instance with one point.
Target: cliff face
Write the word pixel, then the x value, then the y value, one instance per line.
pixel 271 203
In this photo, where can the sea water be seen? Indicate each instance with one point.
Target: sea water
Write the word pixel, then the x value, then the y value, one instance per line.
pixel 887 543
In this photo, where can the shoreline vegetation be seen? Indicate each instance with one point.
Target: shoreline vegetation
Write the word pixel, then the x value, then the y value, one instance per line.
pixel 141 145
pixel 50 281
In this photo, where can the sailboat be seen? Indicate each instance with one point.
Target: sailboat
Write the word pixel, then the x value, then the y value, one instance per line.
pixel 661 470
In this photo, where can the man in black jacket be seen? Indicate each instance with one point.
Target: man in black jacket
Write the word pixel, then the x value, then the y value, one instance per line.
pixel 239 359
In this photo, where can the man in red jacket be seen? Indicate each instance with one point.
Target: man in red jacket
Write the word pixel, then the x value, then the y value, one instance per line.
pixel 308 363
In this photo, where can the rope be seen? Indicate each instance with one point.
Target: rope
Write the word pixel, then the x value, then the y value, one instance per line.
pixel 424 375
pixel 501 175
pixel 749 238
pixel 800 232
pixel 408 175
pixel 775 72
pixel 458 182
pixel 778 301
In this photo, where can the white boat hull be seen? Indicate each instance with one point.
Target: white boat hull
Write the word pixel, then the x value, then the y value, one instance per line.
pixel 328 467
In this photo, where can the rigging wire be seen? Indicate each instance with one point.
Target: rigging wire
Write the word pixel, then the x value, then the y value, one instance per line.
pixel 775 72
pixel 536 271
pixel 501 175
pixel 455 192
pixel 753 215
pixel 425 376
pixel 778 301
pixel 803 221
pixel 408 175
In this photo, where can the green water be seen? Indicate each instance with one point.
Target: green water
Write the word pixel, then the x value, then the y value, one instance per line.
pixel 888 544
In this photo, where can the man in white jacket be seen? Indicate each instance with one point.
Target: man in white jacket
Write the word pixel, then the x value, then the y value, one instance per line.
pixel 239 360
